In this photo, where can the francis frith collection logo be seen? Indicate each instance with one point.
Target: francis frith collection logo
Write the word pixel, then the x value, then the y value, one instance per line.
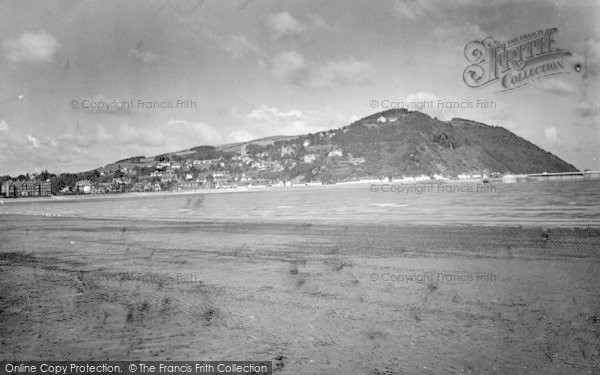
pixel 514 63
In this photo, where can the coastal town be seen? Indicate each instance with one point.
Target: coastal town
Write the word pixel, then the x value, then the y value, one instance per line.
pixel 362 152
pixel 224 172
pixel 252 167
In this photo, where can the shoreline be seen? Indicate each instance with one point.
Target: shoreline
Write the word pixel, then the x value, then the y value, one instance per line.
pixel 76 197
pixel 344 185
pixel 275 205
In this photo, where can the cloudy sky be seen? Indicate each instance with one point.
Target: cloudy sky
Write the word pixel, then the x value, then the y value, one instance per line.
pixel 244 69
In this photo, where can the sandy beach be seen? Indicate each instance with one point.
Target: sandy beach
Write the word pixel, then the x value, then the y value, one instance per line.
pixel 327 299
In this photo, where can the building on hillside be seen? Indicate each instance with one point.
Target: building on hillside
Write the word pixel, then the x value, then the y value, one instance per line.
pixel 20 189
pixel 310 158
pixel 336 153
pixel 83 186
pixel 357 160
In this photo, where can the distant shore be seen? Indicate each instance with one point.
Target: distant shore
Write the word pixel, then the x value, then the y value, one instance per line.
pixel 74 197
pixel 340 185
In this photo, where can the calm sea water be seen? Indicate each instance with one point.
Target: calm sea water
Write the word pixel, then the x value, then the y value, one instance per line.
pixel 566 204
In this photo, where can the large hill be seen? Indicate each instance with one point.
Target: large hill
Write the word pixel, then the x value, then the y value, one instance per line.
pixel 390 143
pixel 413 143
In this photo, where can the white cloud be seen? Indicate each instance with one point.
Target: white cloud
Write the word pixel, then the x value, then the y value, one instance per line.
pixel 34 141
pixel 90 146
pixel 459 31
pixel 555 86
pixel 86 138
pixel 404 11
pixel 284 24
pixel 126 134
pixel 420 96
pixel 501 117
pixel 190 133
pixel 588 109
pixel 174 135
pixel 266 121
pixel 552 135
pixel 87 146
pixel 318 22
pixel 239 46
pixel 409 9
pixel 240 136
pixel 143 57
pixel 289 66
pixel 340 73
pixel 273 115
pixel 3 125
pixel 429 103
pixel 292 67
pixel 17 150
pixel 31 47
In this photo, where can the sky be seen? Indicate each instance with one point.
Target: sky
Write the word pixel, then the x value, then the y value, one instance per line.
pixel 86 83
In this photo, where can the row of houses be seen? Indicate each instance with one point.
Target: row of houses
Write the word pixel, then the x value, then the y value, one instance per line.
pixel 117 186
pixel 20 189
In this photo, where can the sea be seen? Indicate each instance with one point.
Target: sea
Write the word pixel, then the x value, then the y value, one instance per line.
pixel 543 203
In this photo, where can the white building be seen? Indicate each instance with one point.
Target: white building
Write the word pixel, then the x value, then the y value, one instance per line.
pixel 335 153
pixel 310 158
pixel 83 186
pixel 356 161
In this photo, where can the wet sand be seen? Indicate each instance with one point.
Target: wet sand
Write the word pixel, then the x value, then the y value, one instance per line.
pixel 326 299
